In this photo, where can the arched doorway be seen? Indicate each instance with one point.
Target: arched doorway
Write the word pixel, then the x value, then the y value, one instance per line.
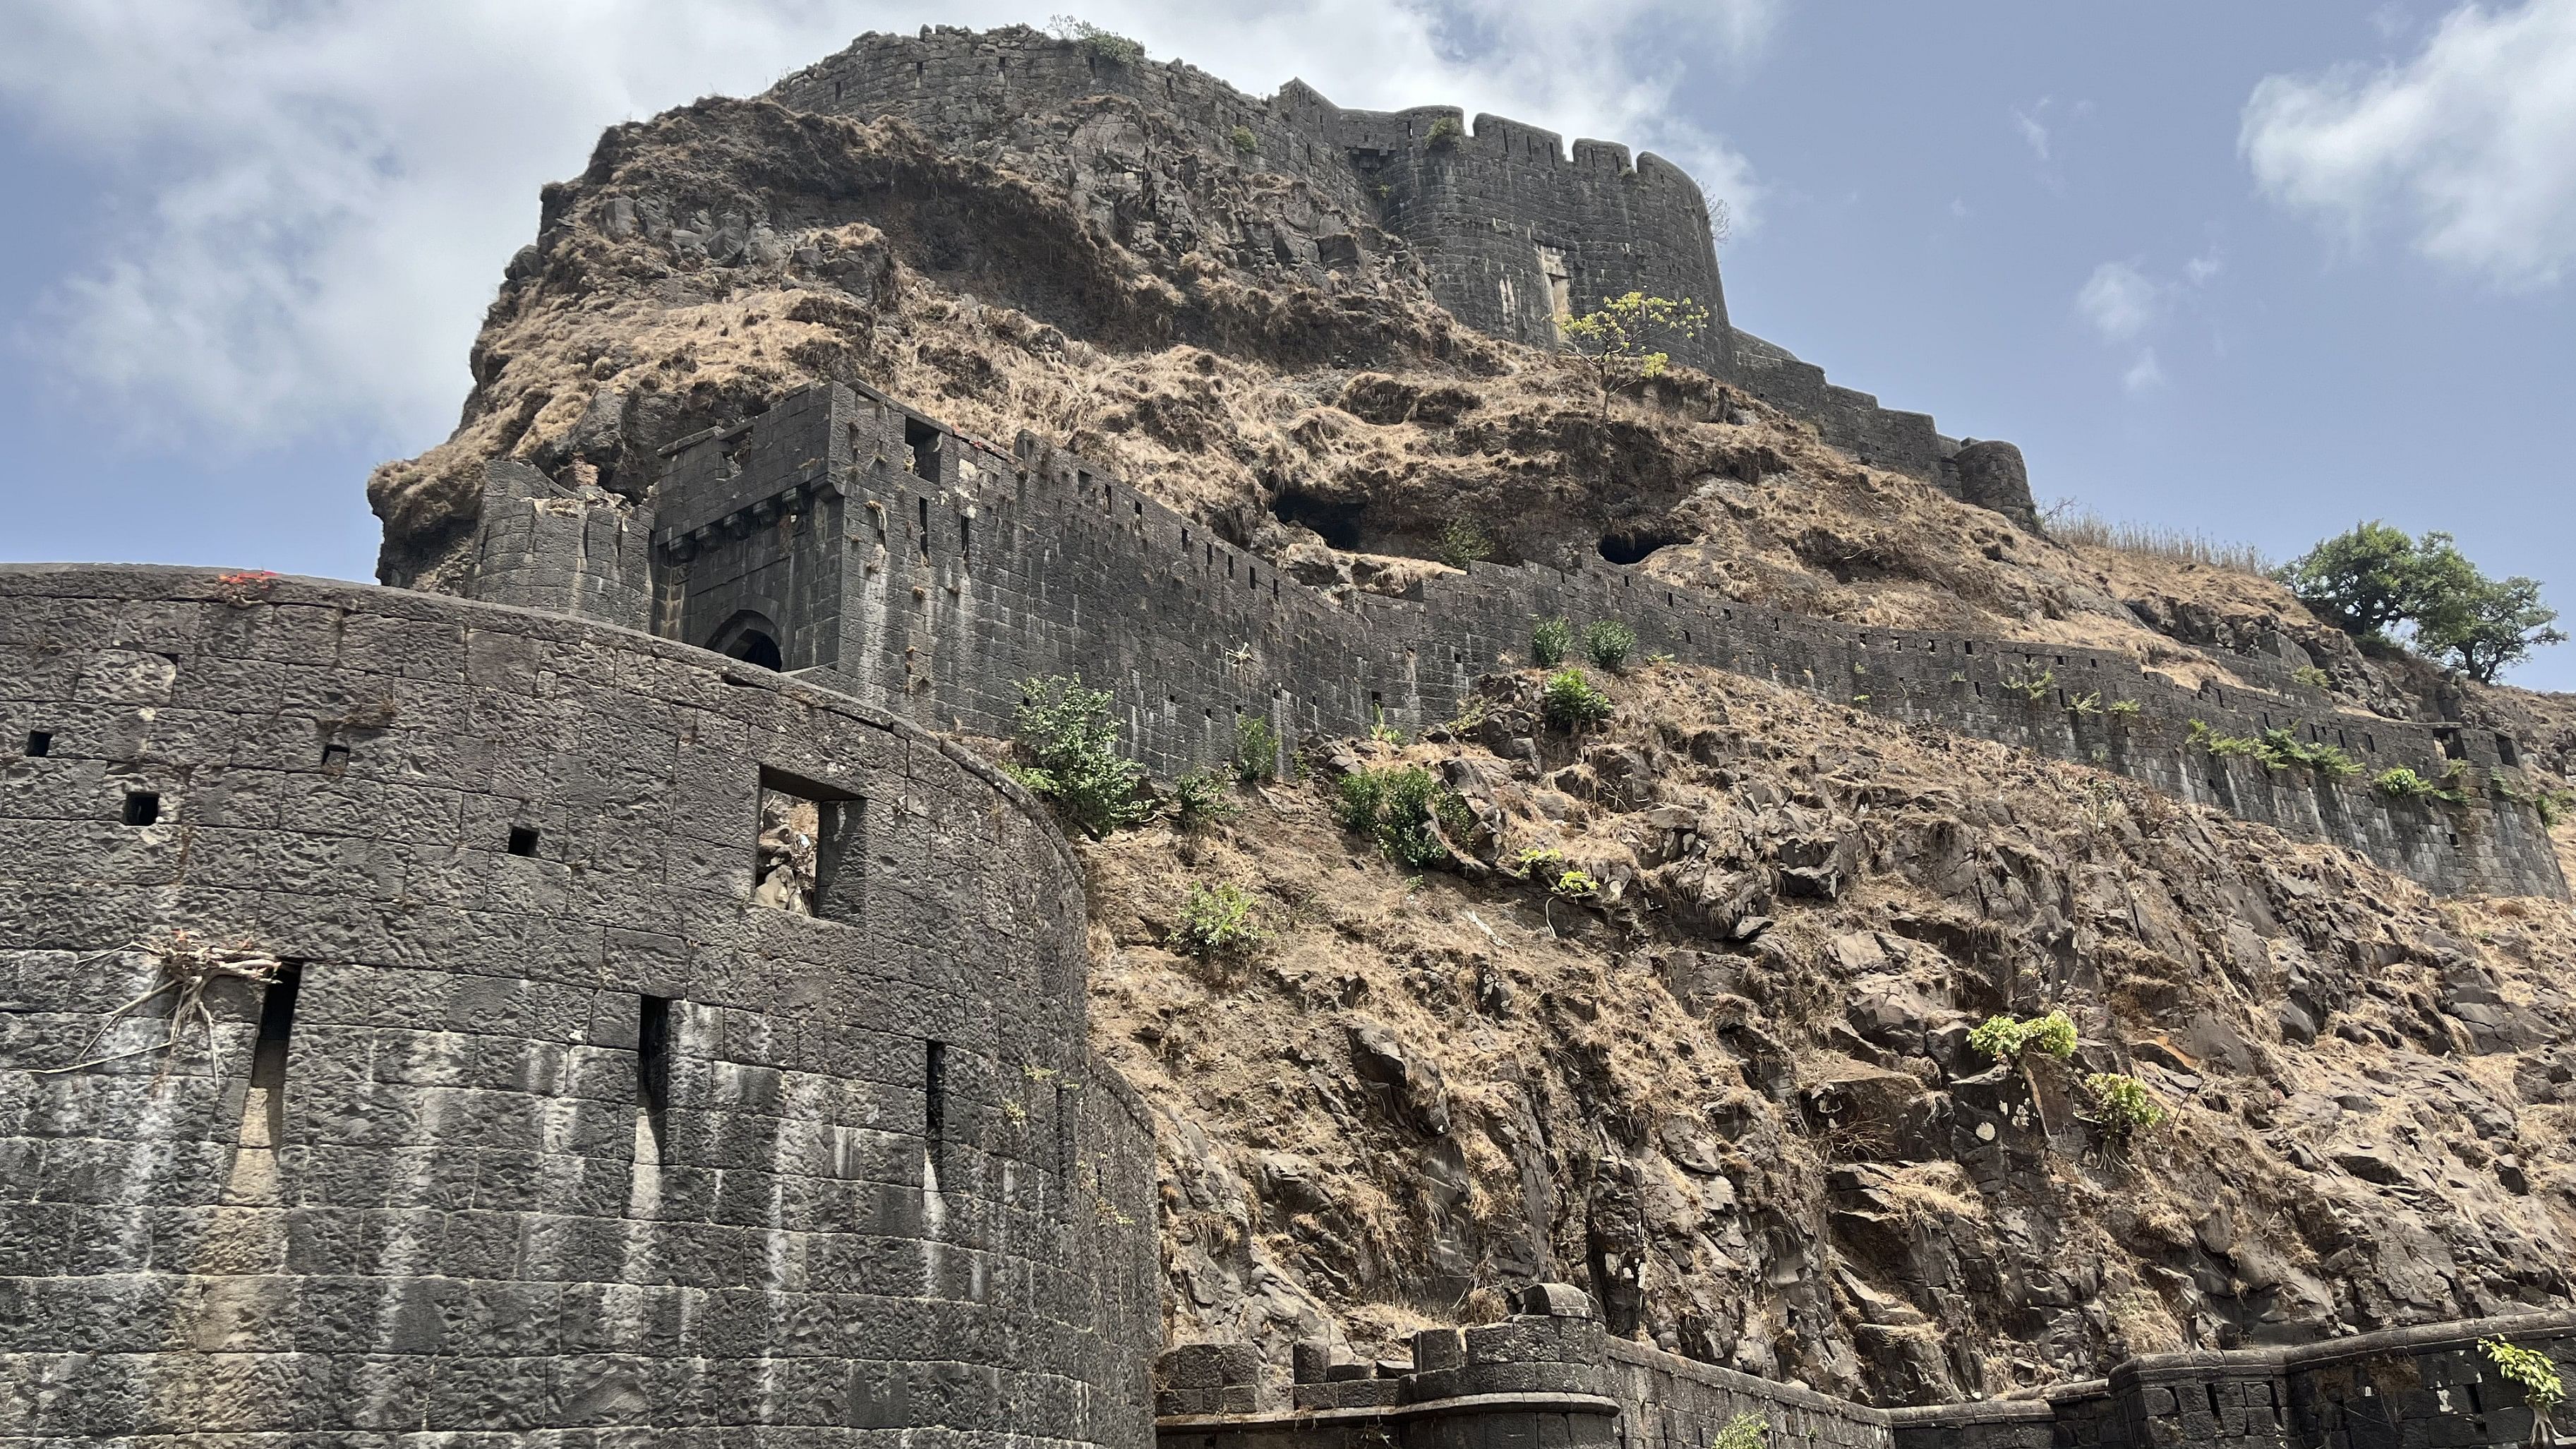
pixel 751 638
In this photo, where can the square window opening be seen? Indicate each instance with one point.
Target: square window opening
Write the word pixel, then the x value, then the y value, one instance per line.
pixel 523 840
pixel 142 807
pixel 810 857
pixel 922 440
pixel 40 743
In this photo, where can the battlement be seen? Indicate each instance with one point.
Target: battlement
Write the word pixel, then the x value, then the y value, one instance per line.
pixel 1514 230
pixel 882 554
pixel 1550 1375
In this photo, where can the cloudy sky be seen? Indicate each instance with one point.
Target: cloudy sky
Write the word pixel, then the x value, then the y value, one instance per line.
pixel 2252 270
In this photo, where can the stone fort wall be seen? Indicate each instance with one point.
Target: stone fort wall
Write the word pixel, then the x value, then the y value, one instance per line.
pixel 1511 227
pixel 905 564
pixel 553 1133
pixel 1549 1376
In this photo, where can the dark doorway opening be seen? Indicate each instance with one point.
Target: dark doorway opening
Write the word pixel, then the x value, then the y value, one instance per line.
pixel 1337 523
pixel 751 638
pixel 1632 545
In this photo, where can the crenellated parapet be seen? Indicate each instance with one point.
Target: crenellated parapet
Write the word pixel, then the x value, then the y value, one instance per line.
pixel 1513 230
pixel 1549 1375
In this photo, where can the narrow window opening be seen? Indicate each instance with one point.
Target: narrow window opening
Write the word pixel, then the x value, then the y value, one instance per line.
pixel 276 1025
pixel 836 90
pixel 1140 508
pixel 921 528
pixel 965 536
pixel 934 1097
pixel 809 858
pixel 2213 1399
pixel 40 743
pixel 653 1054
pixel 335 757
pixel 2506 752
pixel 1064 1139
pixel 523 840
pixel 142 807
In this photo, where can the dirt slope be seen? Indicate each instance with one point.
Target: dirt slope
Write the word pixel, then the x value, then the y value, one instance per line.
pixel 1732 1088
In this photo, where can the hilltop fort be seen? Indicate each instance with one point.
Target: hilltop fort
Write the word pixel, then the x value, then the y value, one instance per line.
pixel 618 984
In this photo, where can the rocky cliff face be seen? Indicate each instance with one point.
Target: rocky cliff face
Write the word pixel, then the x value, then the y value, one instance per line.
pixel 1730 1089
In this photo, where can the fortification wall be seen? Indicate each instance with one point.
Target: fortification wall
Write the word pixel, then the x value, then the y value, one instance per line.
pixel 1512 228
pixel 1548 1375
pixel 556 1128
pixel 2396 1389
pixel 998 567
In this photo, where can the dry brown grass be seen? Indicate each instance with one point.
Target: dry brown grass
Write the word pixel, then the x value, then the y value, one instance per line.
pixel 2068 523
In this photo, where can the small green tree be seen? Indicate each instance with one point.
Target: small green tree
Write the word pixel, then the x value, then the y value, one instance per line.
pixel 1244 140
pixel 1625 339
pixel 2536 1374
pixel 2487 625
pixel 1068 745
pixel 1744 1431
pixel 1445 132
pixel 2373 578
pixel 2361 580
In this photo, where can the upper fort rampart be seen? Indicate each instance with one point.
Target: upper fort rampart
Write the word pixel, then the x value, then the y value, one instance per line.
pixel 1512 229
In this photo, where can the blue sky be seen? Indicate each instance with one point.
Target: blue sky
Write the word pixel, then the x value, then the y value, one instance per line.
pixel 2252 270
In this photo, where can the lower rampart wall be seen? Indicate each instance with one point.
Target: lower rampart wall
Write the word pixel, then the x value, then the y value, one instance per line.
pixel 1548 1375
pixel 977 569
pixel 552 1129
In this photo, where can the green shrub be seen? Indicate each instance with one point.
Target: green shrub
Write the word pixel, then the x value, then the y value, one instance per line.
pixel 2127 1107
pixel 1575 884
pixel 2403 784
pixel 1744 1431
pixel 2033 687
pixel 2280 749
pixel 2006 1038
pixel 2090 703
pixel 1609 643
pixel 1105 46
pixel 1243 139
pixel 1446 131
pixel 1570 701
pixel 2122 709
pixel 1395 806
pixel 2312 676
pixel 1463 541
pixel 2533 1370
pixel 1199 800
pixel 1256 749
pixel 1550 641
pixel 1069 754
pixel 1217 921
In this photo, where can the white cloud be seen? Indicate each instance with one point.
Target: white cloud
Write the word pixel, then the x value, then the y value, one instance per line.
pixel 2468 147
pixel 2145 374
pixel 2120 301
pixel 312 203
pixel 2034 133
pixel 2200 269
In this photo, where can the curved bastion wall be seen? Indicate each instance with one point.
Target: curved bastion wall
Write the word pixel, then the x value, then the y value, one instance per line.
pixel 556 1118
pixel 892 559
